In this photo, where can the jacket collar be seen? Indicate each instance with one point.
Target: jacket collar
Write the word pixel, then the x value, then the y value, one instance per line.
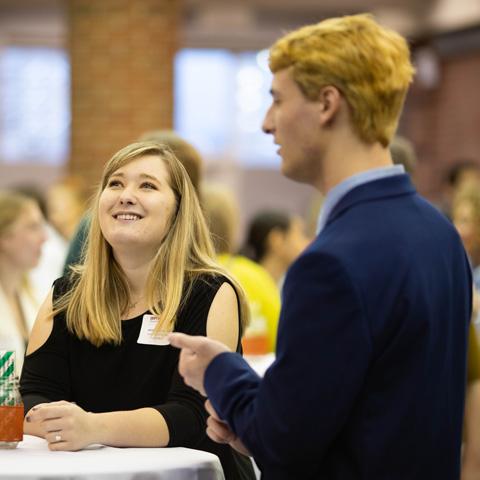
pixel 376 189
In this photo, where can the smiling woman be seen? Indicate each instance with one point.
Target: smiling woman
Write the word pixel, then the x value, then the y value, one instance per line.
pixel 99 341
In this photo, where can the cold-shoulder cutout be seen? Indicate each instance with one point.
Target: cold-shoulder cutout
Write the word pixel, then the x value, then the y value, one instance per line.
pixel 223 317
pixel 43 325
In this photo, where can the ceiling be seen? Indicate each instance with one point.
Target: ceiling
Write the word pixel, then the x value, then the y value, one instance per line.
pixel 254 24
pixel 243 24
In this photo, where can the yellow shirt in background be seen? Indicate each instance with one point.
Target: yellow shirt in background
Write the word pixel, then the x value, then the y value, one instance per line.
pixel 264 301
pixel 473 357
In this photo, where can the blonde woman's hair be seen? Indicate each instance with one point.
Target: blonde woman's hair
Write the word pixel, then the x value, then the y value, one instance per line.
pixel 188 155
pixel 369 64
pixel 100 292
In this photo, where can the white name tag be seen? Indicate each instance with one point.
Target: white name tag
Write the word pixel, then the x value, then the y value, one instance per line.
pixel 147 337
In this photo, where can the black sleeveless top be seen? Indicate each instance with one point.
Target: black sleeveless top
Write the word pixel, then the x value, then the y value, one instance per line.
pixel 131 375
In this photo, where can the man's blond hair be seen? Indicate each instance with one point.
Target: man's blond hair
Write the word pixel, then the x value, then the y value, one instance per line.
pixel 369 64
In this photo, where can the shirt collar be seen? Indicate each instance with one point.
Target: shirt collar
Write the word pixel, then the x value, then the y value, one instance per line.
pixel 340 190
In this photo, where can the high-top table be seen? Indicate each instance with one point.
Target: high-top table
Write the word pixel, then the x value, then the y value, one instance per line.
pixel 32 460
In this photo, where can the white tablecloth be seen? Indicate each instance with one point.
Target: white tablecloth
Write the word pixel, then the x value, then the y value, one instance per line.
pixel 32 460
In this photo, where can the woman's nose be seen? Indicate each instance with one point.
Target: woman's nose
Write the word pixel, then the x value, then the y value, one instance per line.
pixel 127 197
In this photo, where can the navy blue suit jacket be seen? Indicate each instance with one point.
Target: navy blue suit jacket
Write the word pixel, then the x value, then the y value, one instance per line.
pixel 369 378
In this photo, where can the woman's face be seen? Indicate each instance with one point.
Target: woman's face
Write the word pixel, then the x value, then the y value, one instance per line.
pixel 137 205
pixel 22 243
pixel 469 230
pixel 64 210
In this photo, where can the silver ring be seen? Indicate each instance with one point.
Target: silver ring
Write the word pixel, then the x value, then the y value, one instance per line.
pixel 58 438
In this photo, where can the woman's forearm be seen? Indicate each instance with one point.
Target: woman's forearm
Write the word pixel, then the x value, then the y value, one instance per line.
pixel 144 427
pixel 66 426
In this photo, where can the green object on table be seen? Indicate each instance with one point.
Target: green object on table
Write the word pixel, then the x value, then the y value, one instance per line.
pixel 7 378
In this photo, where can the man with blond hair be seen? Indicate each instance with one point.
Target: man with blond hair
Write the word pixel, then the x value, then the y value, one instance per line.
pixel 369 376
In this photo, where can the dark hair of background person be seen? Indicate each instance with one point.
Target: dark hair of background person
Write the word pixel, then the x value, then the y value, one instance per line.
pixel 184 151
pixel 259 229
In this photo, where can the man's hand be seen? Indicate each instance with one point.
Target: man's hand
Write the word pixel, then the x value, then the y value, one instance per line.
pixel 220 432
pixel 64 425
pixel 196 355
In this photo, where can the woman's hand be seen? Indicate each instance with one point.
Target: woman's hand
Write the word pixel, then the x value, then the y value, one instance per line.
pixel 64 425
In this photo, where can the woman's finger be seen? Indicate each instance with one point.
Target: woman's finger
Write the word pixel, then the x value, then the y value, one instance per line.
pixel 57 436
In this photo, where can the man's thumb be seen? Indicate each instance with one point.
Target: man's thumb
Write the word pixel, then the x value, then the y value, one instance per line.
pixel 181 340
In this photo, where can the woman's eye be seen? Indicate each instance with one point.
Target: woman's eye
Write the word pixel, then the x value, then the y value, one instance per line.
pixel 148 185
pixel 114 183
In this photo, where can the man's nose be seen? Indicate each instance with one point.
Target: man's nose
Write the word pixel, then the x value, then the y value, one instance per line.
pixel 267 125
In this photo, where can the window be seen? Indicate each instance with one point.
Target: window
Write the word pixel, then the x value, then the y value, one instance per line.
pixel 34 105
pixel 220 100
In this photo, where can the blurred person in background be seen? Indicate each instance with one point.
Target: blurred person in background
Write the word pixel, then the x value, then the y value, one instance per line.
pixel 54 250
pixel 22 235
pixel 471 423
pixel 464 174
pixel 187 154
pixel 274 240
pixel 403 153
pixel 66 202
pixel 98 369
pixel 466 218
pixel 222 214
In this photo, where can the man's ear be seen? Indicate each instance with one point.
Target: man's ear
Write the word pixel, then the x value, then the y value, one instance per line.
pixel 329 100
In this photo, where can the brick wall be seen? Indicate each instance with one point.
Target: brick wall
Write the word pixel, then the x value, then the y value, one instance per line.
pixel 444 121
pixel 121 54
